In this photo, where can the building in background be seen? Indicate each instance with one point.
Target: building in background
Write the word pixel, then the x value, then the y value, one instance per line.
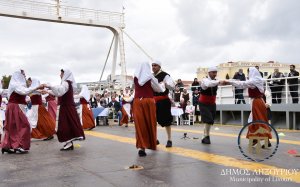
pixel 115 85
pixel 227 70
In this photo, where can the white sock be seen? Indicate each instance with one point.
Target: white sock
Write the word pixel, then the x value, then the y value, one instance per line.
pixel 206 130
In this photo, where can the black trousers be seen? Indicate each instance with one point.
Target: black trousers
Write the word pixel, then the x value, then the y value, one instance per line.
pixel 239 96
pixel 294 93
pixel 276 92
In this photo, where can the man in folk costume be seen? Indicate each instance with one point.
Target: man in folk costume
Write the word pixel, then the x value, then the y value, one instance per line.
pixel 163 103
pixel 207 102
pixel 85 112
pixel 69 128
pixel 144 108
pixel 126 107
pixel 255 86
pixel 42 124
pixel 16 127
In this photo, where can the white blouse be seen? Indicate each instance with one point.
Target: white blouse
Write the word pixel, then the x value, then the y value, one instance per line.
pixel 208 83
pixel 23 90
pixel 59 90
pixel 243 84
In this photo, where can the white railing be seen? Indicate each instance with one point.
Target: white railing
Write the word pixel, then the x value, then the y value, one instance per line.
pixel 226 94
pixel 34 8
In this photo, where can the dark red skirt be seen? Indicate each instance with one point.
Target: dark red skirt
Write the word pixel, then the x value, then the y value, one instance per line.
pixel 52 108
pixel 69 127
pixel 16 128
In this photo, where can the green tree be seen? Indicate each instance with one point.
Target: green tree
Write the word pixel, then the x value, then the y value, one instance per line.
pixel 6 80
pixel 227 76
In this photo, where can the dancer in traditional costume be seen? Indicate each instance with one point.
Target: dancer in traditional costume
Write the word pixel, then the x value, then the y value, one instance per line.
pixel 144 108
pixel 1 111
pixel 16 127
pixel 51 105
pixel 85 112
pixel 42 124
pixel 207 102
pixel 163 103
pixel 255 86
pixel 69 128
pixel 126 107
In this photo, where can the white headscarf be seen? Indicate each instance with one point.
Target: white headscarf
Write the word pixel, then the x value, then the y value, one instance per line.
pixel 256 79
pixel 34 83
pixel 68 75
pixel 143 73
pixel 85 93
pixel 17 79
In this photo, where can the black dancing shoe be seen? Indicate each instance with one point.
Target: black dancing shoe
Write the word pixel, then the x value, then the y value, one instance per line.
pixel 206 140
pixel 254 142
pixel 20 151
pixel 49 138
pixel 6 150
pixel 169 143
pixel 142 153
pixel 269 145
pixel 65 148
pixel 157 142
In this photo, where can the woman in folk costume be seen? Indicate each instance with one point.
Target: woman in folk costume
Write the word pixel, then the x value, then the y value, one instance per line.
pixel 1 91
pixel 51 105
pixel 17 128
pixel 86 114
pixel 1 111
pixel 126 107
pixel 69 128
pixel 42 124
pixel 144 108
pixel 255 86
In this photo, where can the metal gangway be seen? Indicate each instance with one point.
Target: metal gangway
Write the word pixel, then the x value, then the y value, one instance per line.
pixel 58 13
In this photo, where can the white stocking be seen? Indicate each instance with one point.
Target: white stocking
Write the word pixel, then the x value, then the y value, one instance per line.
pixel 206 130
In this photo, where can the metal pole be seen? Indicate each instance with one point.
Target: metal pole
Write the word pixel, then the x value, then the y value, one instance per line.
pixel 286 91
pixel 57 7
pixel 112 41
pixel 138 46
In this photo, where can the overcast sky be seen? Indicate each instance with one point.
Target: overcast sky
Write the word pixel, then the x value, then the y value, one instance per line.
pixel 182 34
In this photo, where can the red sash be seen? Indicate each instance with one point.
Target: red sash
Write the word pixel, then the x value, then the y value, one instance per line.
pixel 208 99
pixel 161 97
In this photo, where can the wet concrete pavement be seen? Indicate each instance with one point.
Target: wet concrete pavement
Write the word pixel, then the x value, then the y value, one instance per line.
pixel 103 158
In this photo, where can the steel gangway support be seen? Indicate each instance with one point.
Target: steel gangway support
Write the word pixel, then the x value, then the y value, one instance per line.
pixel 55 12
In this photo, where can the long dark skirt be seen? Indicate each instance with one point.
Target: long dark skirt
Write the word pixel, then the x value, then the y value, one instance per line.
pixel 16 128
pixel 69 127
